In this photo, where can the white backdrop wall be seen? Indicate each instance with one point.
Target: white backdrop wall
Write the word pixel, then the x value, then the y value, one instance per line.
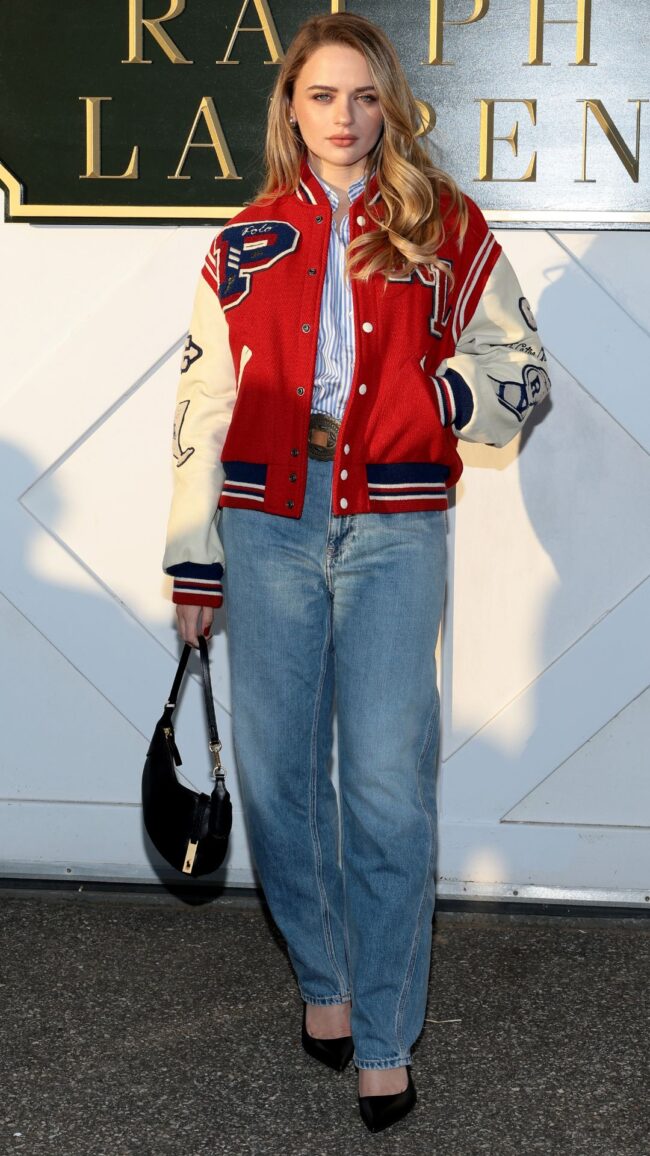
pixel 545 663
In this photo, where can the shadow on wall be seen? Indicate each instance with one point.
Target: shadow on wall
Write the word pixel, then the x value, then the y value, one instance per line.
pixel 531 616
pixel 583 492
pixel 78 702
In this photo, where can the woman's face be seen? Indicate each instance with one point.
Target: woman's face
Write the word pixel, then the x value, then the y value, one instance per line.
pixel 337 109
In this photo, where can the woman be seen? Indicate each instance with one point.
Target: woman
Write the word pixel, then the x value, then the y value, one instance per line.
pixel 349 325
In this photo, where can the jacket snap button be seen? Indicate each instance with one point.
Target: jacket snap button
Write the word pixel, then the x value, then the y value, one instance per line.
pixel 319 219
pixel 343 503
pixel 363 388
pixel 295 452
pixel 344 475
pixel 367 327
pixel 306 328
pixel 290 505
pixel 300 390
pixel 312 272
pixel 361 221
pixel 346 449
pixel 293 477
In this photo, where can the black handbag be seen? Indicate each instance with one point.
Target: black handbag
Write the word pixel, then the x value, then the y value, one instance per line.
pixel 188 828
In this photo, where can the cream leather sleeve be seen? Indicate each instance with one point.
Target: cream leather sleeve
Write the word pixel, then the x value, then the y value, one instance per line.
pixel 204 404
pixel 497 374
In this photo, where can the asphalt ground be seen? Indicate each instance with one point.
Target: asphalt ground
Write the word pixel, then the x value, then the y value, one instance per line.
pixel 136 1025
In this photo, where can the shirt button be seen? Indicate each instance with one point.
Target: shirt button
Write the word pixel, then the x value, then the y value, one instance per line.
pixel 344 474
pixel 343 503
pixel 307 328
pixel 293 477
pixel 367 327
pixel 361 220
pixel 312 272
pixel 289 504
pixel 363 389
pixel 346 449
pixel 300 390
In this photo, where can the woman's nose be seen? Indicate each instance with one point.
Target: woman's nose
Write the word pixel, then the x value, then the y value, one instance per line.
pixel 343 114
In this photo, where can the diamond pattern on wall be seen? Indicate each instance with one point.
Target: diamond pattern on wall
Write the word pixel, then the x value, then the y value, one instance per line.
pixel 605 783
pixel 546 680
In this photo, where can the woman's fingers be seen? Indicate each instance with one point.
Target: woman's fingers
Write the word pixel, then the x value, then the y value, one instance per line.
pixel 206 621
pixel 188 623
pixel 191 619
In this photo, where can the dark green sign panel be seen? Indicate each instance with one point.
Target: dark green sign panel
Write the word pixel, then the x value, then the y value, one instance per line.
pixel 154 110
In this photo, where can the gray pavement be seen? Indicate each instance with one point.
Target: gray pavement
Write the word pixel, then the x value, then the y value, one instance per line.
pixel 139 1026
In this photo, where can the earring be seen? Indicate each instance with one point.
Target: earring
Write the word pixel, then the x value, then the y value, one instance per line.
pixel 292 121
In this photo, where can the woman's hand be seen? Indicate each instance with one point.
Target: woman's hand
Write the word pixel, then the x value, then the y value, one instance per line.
pixel 191 619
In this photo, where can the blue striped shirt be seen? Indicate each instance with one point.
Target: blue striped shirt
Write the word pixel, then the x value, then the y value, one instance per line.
pixel 336 346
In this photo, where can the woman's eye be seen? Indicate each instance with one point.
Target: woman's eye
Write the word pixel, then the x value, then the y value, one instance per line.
pixel 366 97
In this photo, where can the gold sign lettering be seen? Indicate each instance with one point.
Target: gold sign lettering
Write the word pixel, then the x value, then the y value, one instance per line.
pixel 94 146
pixel 267 26
pixel 437 24
pixel 487 139
pixel 629 159
pixel 583 32
pixel 338 5
pixel 209 114
pixel 137 25
pixel 427 117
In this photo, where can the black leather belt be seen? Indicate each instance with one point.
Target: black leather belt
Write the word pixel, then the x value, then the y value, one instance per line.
pixel 321 439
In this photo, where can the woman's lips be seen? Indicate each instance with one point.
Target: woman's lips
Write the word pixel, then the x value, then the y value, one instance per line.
pixel 342 140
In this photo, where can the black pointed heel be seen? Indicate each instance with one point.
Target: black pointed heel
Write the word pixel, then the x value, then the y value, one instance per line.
pixel 336 1053
pixel 379 1112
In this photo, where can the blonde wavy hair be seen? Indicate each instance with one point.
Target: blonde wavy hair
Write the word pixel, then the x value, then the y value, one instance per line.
pixel 411 228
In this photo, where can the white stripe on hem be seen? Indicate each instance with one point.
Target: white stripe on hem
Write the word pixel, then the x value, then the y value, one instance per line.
pixel 406 485
pixel 243 485
pixel 203 581
pixel 407 497
pixel 243 495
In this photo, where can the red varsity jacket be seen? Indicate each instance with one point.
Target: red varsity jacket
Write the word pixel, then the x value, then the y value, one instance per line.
pixel 439 355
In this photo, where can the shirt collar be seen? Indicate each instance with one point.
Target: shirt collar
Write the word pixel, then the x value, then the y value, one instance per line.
pixel 314 191
pixel 354 190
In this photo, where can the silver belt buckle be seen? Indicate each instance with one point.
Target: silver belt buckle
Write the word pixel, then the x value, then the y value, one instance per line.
pixel 326 429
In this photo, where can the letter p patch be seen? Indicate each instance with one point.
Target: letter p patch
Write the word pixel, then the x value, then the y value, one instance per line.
pixel 244 250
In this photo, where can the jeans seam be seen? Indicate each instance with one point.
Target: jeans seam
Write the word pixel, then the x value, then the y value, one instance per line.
pixel 346 934
pixel 334 530
pixel 329 551
pixel 318 858
pixel 408 977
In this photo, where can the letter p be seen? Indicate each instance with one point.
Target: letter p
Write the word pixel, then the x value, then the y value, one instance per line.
pixel 248 249
pixel 437 25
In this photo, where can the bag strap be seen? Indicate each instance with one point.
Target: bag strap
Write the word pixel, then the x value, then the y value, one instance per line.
pixel 170 705
pixel 214 743
pixel 207 691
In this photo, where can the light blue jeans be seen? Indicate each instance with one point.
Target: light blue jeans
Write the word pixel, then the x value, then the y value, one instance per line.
pixel 318 607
